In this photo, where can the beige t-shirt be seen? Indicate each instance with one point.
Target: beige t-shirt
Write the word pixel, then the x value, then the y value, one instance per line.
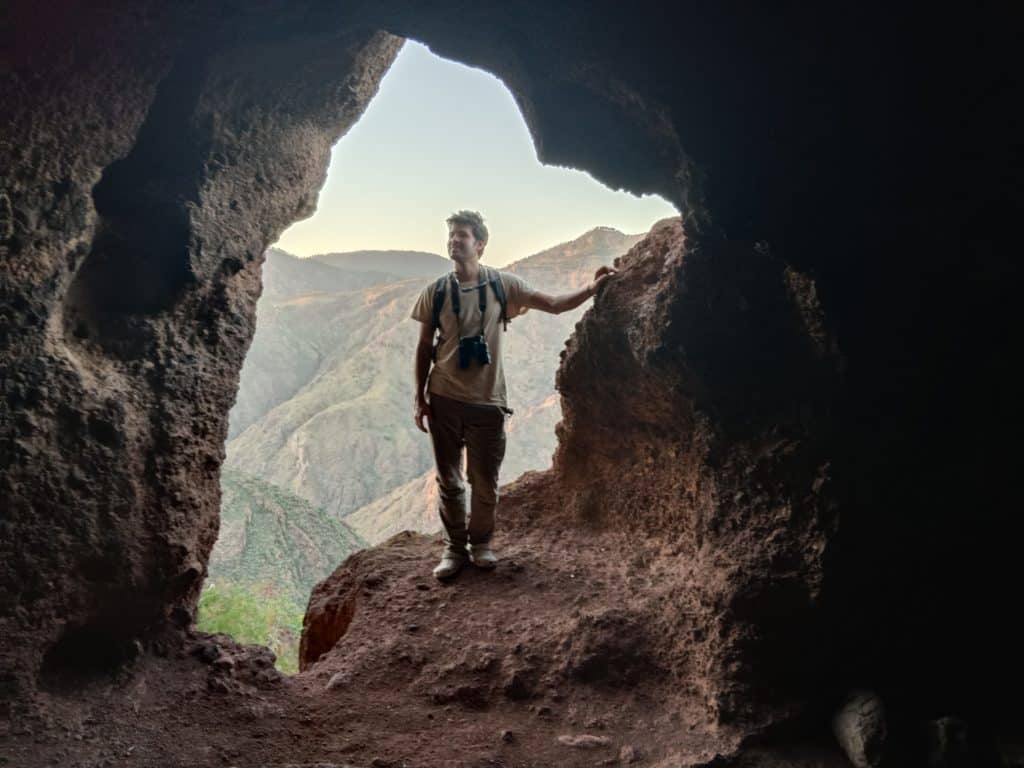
pixel 482 384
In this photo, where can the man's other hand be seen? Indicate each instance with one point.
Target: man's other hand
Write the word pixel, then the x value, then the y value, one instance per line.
pixel 602 274
pixel 422 411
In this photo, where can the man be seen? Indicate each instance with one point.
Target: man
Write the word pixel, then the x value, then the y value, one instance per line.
pixel 460 386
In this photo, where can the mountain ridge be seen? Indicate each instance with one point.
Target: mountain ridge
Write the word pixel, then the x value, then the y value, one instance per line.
pixel 397 262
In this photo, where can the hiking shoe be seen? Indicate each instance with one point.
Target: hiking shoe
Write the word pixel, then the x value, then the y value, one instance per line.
pixel 482 556
pixel 451 563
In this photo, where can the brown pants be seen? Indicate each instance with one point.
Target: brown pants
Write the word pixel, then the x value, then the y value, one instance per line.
pixel 481 430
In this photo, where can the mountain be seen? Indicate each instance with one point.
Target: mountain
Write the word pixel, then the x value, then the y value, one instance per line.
pixel 286 276
pixel 282 362
pixel 411 506
pixel 346 436
pixel 269 536
pixel 400 264
pixel 339 431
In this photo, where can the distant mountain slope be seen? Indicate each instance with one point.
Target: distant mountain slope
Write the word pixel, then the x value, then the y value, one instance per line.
pixel 345 437
pixel 411 506
pixel 571 264
pixel 285 355
pixel 270 536
pixel 401 264
pixel 286 276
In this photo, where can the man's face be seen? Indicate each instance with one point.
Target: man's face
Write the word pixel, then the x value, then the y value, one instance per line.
pixel 462 246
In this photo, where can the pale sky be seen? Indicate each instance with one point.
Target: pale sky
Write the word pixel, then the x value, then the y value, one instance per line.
pixel 439 137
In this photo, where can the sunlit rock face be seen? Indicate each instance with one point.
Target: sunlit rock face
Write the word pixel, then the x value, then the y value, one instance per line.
pixel 811 386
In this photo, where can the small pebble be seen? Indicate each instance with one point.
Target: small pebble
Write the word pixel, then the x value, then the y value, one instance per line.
pixel 584 741
pixel 338 680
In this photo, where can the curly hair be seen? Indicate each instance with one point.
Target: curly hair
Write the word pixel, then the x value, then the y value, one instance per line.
pixel 471 219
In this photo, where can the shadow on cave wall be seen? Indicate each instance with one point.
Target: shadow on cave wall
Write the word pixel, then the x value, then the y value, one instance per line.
pixel 139 263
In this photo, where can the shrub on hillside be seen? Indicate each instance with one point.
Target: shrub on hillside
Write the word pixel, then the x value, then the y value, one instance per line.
pixel 254 614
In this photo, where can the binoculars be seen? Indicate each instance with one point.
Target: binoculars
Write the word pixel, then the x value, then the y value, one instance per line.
pixel 473 348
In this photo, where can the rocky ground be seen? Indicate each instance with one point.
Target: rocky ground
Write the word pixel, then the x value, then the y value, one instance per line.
pixel 562 656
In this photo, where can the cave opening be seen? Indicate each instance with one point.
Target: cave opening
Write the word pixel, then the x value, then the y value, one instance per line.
pixel 878 170
pixel 333 346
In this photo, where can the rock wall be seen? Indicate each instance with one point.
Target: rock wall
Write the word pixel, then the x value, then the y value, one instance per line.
pixel 696 401
pixel 146 172
pixel 150 154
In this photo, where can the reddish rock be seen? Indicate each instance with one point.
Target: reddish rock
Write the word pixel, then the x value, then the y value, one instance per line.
pixel 770 520
pixel 146 178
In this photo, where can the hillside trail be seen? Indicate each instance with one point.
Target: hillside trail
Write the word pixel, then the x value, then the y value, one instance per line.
pixel 555 658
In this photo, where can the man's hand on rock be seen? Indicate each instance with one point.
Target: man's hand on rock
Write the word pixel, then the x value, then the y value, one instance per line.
pixel 421 411
pixel 600 277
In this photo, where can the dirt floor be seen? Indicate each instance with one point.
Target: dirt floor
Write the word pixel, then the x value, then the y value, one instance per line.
pixel 565 655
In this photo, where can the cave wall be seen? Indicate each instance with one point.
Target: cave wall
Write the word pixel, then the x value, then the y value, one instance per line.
pixel 864 161
pixel 146 173
pixel 710 446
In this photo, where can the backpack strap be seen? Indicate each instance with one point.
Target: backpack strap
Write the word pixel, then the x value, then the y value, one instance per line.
pixel 439 299
pixel 499 290
pixel 456 304
pixel 481 294
pixel 438 305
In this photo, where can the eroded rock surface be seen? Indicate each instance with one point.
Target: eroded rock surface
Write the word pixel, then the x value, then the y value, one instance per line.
pixel 145 183
pixel 815 460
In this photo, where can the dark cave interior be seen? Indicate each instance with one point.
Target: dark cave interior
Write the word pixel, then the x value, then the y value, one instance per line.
pixel 865 157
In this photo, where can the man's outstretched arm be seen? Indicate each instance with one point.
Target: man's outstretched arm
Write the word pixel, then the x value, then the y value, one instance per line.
pixel 566 301
pixel 423 354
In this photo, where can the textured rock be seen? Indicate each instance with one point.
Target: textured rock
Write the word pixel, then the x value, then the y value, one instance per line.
pixel 150 152
pixel 670 430
pixel 330 613
pixel 143 202
pixel 860 728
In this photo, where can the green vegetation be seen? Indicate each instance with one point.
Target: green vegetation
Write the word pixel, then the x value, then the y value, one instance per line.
pixel 273 548
pixel 271 536
pixel 254 614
